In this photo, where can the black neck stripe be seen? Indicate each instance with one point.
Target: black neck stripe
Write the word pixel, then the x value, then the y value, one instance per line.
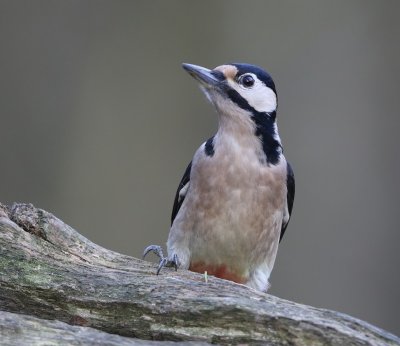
pixel 209 147
pixel 265 127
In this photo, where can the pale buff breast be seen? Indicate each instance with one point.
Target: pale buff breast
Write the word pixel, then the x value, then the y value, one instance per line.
pixel 233 211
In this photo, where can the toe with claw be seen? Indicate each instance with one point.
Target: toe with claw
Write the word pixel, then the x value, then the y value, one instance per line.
pixel 164 261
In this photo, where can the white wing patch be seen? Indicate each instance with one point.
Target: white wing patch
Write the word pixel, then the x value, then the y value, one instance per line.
pixel 183 191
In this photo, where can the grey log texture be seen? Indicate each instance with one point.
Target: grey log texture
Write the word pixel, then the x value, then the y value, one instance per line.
pixel 48 271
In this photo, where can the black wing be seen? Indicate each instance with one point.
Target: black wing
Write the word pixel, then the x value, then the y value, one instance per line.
pixel 290 196
pixel 179 197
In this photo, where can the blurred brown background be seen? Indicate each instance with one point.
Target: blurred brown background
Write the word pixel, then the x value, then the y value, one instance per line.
pixel 98 122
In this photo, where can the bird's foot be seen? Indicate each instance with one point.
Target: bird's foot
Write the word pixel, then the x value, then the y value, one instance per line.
pixel 164 261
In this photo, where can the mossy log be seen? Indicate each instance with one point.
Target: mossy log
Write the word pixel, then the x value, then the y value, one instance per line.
pixel 48 271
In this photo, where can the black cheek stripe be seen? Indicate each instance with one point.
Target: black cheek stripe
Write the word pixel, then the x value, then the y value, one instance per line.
pixel 265 127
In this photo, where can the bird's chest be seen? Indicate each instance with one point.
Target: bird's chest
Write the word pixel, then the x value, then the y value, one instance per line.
pixel 235 196
pixel 237 203
pixel 235 182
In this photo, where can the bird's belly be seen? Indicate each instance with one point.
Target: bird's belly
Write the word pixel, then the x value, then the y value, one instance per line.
pixel 239 231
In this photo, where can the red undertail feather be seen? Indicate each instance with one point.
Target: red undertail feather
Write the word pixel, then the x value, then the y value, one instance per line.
pixel 220 271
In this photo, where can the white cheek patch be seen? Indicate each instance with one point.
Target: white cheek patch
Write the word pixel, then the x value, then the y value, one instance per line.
pixel 260 97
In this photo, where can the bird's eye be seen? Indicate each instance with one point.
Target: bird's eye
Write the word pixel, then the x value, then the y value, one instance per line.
pixel 246 80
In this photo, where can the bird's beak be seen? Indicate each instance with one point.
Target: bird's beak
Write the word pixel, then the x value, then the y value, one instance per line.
pixel 206 77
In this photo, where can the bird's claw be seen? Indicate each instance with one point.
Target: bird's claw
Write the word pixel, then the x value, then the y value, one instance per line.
pixel 157 249
pixel 164 261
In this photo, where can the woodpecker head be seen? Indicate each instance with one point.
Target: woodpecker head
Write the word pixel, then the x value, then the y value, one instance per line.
pixel 243 86
pixel 244 96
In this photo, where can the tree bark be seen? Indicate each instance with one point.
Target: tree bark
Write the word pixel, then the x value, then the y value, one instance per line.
pixel 48 271
pixel 17 329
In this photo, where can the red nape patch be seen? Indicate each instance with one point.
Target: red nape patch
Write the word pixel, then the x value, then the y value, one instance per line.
pixel 220 271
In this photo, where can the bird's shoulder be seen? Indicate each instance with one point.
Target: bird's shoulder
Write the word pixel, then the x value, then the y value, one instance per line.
pixel 181 192
pixel 290 185
pixel 205 150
